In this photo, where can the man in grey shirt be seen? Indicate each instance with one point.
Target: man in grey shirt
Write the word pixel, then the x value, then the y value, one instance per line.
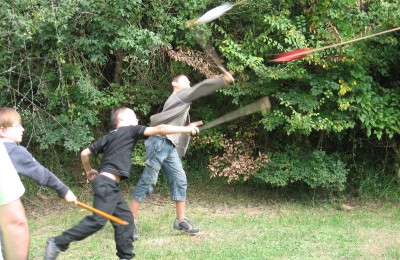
pixel 164 152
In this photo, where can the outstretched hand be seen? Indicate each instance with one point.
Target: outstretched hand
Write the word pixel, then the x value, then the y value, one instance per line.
pixel 70 197
pixel 228 76
pixel 194 127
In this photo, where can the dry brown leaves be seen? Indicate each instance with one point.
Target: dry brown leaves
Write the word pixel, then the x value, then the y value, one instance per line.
pixel 195 59
pixel 237 161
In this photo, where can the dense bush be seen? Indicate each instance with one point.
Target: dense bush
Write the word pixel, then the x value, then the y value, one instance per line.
pixel 315 168
pixel 65 64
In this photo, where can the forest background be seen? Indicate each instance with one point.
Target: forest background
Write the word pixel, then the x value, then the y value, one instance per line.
pixel 335 120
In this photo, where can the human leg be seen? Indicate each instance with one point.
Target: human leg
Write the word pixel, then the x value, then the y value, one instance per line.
pixel 157 149
pixel 86 227
pixel 180 207
pixel 177 181
pixel 1 248
pixel 181 222
pixel 144 188
pixel 135 208
pixel 106 196
pixel 135 205
pixel 15 230
pixel 124 234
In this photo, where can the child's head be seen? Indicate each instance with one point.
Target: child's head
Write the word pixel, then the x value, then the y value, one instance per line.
pixel 10 125
pixel 180 81
pixel 123 116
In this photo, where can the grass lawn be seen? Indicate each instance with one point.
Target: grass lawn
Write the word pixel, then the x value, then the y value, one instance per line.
pixel 236 223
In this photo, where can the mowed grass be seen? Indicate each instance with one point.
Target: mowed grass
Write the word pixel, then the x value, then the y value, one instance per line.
pixel 235 224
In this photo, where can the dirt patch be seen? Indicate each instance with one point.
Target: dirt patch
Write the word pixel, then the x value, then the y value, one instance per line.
pixel 379 241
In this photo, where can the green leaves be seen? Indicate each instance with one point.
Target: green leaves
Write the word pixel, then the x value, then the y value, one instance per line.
pixel 376 123
pixel 315 168
pixel 68 63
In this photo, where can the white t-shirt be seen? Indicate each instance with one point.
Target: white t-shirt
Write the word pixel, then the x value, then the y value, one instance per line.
pixel 11 187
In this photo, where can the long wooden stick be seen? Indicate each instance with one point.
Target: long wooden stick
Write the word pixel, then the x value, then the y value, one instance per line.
pixel 309 51
pixel 103 214
pixel 262 105
pixel 353 40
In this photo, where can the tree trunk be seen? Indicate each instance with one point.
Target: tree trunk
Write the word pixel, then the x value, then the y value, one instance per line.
pixel 118 66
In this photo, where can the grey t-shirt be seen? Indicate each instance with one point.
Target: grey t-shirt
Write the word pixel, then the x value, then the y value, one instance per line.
pixel 176 109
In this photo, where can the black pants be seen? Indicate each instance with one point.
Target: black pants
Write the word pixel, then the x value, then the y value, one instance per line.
pixel 107 198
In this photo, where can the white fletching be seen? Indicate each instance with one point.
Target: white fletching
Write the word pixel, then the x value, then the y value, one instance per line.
pixel 214 13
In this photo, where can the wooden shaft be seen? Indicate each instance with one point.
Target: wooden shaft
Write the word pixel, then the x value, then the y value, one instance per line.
pixel 351 41
pixel 262 105
pixel 306 52
pixel 103 214
pixel 210 51
pixel 238 3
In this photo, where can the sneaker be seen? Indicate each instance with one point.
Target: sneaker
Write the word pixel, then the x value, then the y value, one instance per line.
pixel 135 231
pixel 186 225
pixel 52 250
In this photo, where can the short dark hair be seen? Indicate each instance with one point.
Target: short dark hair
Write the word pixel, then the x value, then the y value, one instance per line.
pixel 114 115
pixel 176 78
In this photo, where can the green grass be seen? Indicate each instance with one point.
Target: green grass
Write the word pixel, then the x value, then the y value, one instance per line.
pixel 236 223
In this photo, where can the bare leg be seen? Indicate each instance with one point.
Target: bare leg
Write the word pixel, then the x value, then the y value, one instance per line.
pixel 14 226
pixel 181 222
pixel 180 209
pixel 135 208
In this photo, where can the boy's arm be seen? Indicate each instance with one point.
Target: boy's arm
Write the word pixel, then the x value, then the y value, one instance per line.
pixel 85 157
pixel 205 88
pixel 229 77
pixel 27 166
pixel 192 129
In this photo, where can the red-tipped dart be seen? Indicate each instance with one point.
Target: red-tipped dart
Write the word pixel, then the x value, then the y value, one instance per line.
pixel 290 55
pixel 301 53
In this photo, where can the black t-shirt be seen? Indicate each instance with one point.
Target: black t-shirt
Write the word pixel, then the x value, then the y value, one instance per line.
pixel 117 147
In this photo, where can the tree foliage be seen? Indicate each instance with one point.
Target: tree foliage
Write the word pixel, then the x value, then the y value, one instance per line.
pixel 65 64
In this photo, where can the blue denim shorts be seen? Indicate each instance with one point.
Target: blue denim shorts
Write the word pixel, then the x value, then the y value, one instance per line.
pixel 161 154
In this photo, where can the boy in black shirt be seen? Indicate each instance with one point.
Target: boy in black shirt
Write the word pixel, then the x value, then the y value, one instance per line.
pixel 117 147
